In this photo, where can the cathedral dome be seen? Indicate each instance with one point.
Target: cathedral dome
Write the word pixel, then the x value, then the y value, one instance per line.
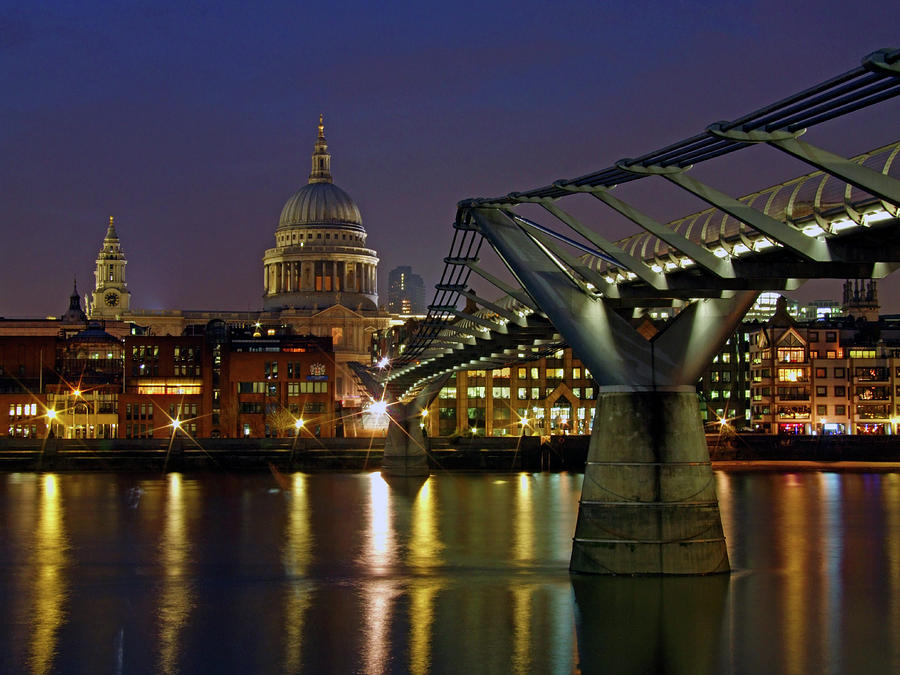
pixel 319 204
pixel 320 258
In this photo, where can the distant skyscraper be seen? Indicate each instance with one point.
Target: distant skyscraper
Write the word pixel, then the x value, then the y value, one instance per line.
pixel 406 291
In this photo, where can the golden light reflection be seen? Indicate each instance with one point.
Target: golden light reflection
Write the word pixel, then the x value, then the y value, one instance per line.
pixel 421 619
pixel 522 599
pixel 523 525
pixel 49 591
pixel 176 600
pixel 425 547
pixel 379 594
pixel 381 536
pixel 425 555
pixel 296 556
pixel 377 616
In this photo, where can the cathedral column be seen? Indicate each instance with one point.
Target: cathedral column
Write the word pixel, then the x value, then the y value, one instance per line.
pixel 265 278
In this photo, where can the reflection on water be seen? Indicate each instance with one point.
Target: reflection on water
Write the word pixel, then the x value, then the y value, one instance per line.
pixel 176 598
pixel 48 584
pixel 424 559
pixel 456 573
pixel 296 556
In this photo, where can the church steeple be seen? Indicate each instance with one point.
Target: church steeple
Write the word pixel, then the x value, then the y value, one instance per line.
pixel 74 314
pixel 111 232
pixel 110 295
pixel 321 160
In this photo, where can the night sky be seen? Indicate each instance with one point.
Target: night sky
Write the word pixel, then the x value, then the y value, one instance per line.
pixel 193 125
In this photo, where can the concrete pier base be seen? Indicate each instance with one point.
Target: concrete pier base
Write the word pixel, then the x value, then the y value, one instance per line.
pixel 405 445
pixel 648 504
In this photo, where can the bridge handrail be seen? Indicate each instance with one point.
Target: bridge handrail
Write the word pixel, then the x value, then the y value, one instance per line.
pixel 785 202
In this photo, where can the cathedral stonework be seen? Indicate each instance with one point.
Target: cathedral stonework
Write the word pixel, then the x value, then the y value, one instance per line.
pixel 111 297
pixel 320 257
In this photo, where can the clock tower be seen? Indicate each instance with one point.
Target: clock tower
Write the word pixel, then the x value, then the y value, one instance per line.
pixel 110 297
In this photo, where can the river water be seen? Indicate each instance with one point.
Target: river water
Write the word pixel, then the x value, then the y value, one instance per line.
pixel 464 573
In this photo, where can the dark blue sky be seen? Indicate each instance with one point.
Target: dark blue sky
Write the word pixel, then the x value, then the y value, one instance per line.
pixel 192 125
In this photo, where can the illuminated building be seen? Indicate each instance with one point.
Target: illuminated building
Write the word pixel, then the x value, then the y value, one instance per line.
pixel 319 279
pixel 85 395
pixel 166 378
pixel 320 258
pixel 274 382
pixel 110 297
pixel 406 291
pixel 826 377
pixel 550 395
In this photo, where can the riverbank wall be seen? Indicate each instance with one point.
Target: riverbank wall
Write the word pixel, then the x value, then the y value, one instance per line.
pixel 517 453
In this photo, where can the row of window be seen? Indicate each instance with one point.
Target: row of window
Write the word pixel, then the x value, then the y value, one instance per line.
pixel 23 430
pixel 181 410
pixel 318 235
pixel 822 411
pixel 522 393
pixel 138 411
pixel 145 352
pixel 22 409
pixel 297 388
pixel 294 370
pixel 860 373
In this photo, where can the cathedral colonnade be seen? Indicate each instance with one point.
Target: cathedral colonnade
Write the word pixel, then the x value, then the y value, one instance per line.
pixel 326 274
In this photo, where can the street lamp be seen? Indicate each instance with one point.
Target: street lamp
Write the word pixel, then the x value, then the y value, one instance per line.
pixel 51 416
pixel 76 394
pixel 298 425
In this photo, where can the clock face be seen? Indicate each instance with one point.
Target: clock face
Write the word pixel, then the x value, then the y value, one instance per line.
pixel 112 299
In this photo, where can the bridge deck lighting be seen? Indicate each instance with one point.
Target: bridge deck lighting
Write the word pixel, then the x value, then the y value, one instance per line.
pixel 876 217
pixel 842 224
pixel 813 231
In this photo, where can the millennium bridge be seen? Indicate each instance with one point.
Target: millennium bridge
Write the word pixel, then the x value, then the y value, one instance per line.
pixel 648 503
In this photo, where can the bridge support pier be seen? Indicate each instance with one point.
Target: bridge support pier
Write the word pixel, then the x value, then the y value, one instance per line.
pixel 405 446
pixel 648 505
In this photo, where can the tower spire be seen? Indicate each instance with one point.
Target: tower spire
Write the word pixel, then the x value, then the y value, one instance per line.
pixel 321 160
pixel 111 230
